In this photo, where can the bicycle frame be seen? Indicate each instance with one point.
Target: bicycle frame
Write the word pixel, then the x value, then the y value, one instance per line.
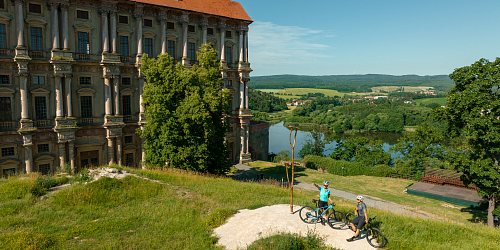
pixel 324 211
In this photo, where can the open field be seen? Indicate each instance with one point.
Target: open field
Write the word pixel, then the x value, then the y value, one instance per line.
pixel 297 92
pixel 395 88
pixel 181 211
pixel 389 189
pixel 440 101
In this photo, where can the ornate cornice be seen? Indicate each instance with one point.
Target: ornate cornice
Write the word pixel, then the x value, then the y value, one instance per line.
pixel 184 19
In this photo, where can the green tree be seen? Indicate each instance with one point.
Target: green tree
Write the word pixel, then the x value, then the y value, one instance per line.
pixel 316 146
pixel 420 149
pixel 186 113
pixel 361 149
pixel 472 112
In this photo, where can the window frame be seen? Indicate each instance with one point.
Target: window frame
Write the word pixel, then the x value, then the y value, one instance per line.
pixel 38 76
pixel 82 11
pixel 146 45
pixel 41 48
pixel 6 44
pixel 144 22
pixel 192 51
pixel 40 92
pixel 128 20
pixel 86 92
pixel 6 113
pixel 83 41
pixel 170 24
pixel 81 27
pixel 122 104
pixel 8 77
pixel 38 148
pixel 80 80
pixel 128 77
pixel 127 51
pixel 86 106
pixel 28 8
pixel 8 146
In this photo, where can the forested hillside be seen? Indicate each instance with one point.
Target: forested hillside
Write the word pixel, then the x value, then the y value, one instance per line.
pixel 349 83
pixel 264 102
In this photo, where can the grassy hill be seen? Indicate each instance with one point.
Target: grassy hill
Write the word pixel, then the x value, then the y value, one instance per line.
pixel 179 212
pixel 350 83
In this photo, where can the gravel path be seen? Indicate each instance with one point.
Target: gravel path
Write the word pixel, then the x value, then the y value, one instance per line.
pixel 248 225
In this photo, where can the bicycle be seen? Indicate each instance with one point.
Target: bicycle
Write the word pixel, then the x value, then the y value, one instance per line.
pixel 308 214
pixel 373 235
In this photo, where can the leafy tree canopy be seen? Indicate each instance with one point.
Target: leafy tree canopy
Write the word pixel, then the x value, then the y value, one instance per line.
pixel 473 112
pixel 186 113
pixel 360 149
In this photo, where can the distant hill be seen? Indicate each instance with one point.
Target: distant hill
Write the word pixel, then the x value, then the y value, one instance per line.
pixel 349 83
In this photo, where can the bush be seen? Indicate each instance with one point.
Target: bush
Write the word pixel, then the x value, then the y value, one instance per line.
pixel 289 241
pixel 341 167
pixel 44 183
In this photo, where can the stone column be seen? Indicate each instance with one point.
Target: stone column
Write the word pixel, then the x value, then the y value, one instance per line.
pixel 246 95
pixel 241 46
pixel 111 151
pixel 246 139
pixel 28 157
pixel 242 94
pixel 222 38
pixel 141 91
pixel 242 140
pixel 62 154
pixel 64 14
pixel 19 23
pixel 119 150
pixel 185 20
pixel 104 29
pixel 107 96
pixel 204 26
pixel 23 80
pixel 163 29
pixel 69 106
pixel 59 98
pixel 55 25
pixel 138 29
pixel 116 94
pixel 114 46
pixel 71 149
pixel 246 46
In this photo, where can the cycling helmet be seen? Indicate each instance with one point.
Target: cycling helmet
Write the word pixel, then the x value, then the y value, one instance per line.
pixel 326 183
pixel 360 198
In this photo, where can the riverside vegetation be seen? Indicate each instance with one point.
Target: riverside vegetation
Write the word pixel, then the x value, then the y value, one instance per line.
pixel 134 213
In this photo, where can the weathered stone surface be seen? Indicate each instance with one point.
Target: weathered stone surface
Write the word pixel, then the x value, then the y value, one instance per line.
pixel 96 174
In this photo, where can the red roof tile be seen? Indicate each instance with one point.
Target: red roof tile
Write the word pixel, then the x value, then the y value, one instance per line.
pixel 224 8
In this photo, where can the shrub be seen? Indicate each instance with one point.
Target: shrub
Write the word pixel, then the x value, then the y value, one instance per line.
pixel 289 241
pixel 341 167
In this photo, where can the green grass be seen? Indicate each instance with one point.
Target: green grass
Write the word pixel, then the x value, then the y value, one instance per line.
pixel 389 189
pixel 298 92
pixel 134 213
pixel 440 101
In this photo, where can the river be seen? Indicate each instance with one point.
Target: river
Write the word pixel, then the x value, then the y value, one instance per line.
pixel 278 139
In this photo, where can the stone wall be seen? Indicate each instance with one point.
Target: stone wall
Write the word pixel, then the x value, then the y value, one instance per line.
pixel 258 144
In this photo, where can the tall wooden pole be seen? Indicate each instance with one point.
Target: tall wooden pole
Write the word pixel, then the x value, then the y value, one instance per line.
pixel 293 165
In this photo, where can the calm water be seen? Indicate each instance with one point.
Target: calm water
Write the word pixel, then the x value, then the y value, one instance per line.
pixel 278 139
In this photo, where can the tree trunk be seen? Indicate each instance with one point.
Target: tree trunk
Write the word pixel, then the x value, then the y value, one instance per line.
pixel 491 206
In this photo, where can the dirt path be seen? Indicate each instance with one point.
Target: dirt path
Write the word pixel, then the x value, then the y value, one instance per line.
pixel 249 225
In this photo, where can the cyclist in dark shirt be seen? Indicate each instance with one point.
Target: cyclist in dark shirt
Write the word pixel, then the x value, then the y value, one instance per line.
pixel 324 195
pixel 362 218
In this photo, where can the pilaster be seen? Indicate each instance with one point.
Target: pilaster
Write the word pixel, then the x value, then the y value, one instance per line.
pixel 184 20
pixel 54 8
pixel 163 30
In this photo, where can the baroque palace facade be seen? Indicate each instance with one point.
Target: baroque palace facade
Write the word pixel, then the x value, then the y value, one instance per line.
pixel 70 80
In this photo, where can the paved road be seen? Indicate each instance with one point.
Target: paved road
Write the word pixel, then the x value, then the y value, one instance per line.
pixel 249 172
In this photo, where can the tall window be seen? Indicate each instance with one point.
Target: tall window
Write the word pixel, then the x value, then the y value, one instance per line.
pixel 38 79
pixel 44 168
pixel 40 108
pixel 127 108
pixel 3 37
pixel 4 79
pixel 229 34
pixel 83 43
pixel 5 109
pixel 124 45
pixel 148 46
pixel 36 39
pixel 84 80
pixel 191 51
pixel 86 106
pixel 227 50
pixel 129 159
pixel 171 48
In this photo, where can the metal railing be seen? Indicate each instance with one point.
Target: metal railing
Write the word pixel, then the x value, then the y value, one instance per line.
pixel 44 123
pixel 91 120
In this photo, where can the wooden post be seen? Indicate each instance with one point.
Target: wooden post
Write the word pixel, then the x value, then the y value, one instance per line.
pixel 293 165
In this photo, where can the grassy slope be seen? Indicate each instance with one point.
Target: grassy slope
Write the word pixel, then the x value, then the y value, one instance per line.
pixel 138 214
pixel 440 101
pixel 389 189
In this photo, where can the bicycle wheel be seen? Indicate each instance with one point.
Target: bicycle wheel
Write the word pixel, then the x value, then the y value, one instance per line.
pixel 308 214
pixel 375 238
pixel 336 220
pixel 348 218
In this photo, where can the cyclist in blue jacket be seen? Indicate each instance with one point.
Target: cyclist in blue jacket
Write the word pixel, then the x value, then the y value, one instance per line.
pixel 324 195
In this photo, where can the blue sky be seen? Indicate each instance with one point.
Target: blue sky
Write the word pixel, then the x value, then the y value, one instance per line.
pixel 370 37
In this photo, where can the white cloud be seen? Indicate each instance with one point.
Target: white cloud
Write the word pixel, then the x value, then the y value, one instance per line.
pixel 274 46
